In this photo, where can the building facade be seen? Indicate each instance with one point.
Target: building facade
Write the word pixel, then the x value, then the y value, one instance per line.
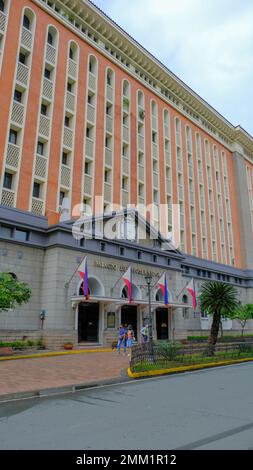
pixel 90 122
pixel 48 259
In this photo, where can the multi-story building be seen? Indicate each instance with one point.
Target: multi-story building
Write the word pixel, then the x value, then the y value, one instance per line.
pixel 90 120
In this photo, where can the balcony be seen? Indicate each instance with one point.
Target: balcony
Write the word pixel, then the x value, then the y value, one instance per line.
pixel 72 68
pixel 141 143
pixel 65 176
pixel 2 22
pixel 68 137
pixel 154 123
pixel 8 197
pixel 40 167
pixel 91 113
pixel 125 165
pixel 125 198
pixel 37 206
pixel 17 113
pixel 92 82
pixel 12 157
pixel 141 175
pixel 22 74
pixel 125 134
pixel 167 157
pixel 26 39
pixel 89 148
pixel 51 55
pixel 109 124
pixel 44 126
pixel 88 184
pixel 107 192
pixel 109 93
pixel 168 185
pixel 47 90
pixel 154 150
pixel 108 157
pixel 166 132
pixel 156 180
pixel 70 102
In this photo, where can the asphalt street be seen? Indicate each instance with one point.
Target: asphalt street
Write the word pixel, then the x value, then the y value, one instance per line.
pixel 210 409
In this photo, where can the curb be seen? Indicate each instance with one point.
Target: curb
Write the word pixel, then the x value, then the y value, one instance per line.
pixel 65 389
pixel 53 354
pixel 178 370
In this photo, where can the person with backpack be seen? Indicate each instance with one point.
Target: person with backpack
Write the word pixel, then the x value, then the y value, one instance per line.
pixel 122 339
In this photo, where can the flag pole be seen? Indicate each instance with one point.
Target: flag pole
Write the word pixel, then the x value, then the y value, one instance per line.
pixel 69 281
pixel 183 289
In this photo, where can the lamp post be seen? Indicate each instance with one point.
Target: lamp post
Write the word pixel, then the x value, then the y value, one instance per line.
pixel 150 328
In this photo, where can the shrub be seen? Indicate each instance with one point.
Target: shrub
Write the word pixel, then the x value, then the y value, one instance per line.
pixel 168 350
pixel 41 344
pixel 245 348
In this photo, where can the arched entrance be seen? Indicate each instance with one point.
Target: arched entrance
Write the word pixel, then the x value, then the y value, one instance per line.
pixel 88 312
pixel 162 318
pixel 88 322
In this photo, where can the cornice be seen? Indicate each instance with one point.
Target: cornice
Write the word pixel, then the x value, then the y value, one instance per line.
pixel 181 96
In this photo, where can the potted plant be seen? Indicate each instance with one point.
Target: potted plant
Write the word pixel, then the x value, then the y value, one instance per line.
pixel 142 114
pixel 68 345
pixel 126 102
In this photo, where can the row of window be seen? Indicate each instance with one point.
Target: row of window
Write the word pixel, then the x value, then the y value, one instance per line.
pixel 18 234
pixel 208 274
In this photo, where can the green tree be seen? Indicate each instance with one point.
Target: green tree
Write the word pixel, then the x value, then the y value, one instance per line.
pixel 217 299
pixel 12 292
pixel 242 314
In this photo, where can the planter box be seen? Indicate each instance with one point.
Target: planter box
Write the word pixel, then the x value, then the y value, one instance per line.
pixel 6 351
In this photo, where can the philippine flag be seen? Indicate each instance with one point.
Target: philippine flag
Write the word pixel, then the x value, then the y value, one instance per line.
pixel 164 288
pixel 192 291
pixel 83 271
pixel 127 278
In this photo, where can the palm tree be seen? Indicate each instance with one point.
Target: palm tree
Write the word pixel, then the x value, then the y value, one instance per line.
pixel 217 299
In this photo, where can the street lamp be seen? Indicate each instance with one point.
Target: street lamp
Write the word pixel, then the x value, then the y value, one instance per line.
pixel 150 329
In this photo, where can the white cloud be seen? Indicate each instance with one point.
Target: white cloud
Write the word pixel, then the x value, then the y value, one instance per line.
pixel 207 43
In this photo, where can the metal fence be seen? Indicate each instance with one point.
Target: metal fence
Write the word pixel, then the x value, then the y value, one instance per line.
pixel 169 354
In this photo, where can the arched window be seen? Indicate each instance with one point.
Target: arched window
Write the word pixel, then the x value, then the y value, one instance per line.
pixel 50 38
pixel 26 22
pixel 124 293
pixel 81 290
pixel 126 88
pixel 1 5
pixel 93 65
pixel 109 77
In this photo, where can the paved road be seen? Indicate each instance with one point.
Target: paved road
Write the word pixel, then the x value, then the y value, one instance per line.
pixel 202 410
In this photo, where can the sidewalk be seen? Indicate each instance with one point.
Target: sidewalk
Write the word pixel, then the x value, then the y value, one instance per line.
pixel 31 375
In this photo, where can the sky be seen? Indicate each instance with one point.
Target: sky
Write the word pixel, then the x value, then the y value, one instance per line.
pixel 207 43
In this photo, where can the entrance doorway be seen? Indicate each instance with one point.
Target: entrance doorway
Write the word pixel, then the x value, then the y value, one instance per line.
pixel 129 317
pixel 162 319
pixel 88 322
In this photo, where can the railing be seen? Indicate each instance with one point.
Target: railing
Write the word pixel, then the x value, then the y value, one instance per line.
pixel 51 54
pixel 72 68
pixel 22 74
pixel 26 38
pixel 166 354
pixel 2 21
pixel 47 91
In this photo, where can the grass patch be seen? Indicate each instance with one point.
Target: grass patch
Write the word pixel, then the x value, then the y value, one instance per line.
pixel 186 360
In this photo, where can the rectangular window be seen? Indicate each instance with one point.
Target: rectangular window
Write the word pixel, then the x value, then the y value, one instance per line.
pixel 64 158
pixel 8 180
pixel 21 235
pixel 62 196
pixel 40 148
pixel 121 251
pixel 154 259
pixel 5 231
pixel 43 109
pixel 13 137
pixel 66 121
pixel 17 96
pixel 102 246
pixel 69 87
pixel 36 190
pixel 22 58
pixel 139 254
pixel 47 73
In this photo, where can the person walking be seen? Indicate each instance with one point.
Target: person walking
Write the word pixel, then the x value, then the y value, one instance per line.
pixel 122 339
pixel 144 332
pixel 130 339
